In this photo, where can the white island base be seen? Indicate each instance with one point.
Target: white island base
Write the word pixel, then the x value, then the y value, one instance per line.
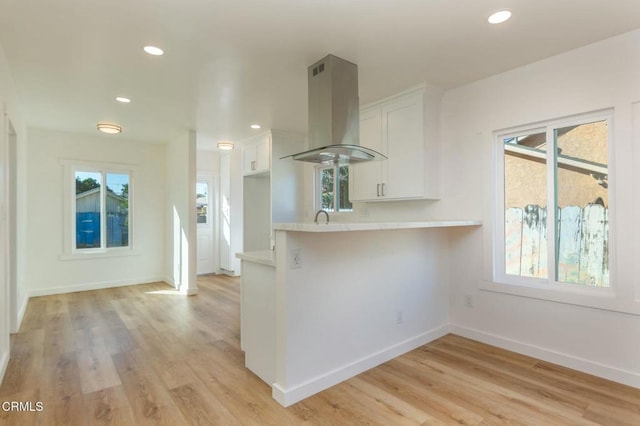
pixel 336 300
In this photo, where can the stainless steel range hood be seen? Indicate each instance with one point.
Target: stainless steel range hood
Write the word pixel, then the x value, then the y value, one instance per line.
pixel 334 115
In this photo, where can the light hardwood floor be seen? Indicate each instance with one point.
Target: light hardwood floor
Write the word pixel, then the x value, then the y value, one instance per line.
pixel 140 355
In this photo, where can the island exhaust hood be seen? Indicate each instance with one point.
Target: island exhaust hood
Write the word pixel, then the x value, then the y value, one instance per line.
pixel 334 115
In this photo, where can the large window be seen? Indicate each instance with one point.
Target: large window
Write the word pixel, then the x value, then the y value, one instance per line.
pixel 101 209
pixel 332 188
pixel 554 204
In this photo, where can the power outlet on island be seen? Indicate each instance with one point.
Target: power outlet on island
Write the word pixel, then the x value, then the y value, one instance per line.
pixel 295 258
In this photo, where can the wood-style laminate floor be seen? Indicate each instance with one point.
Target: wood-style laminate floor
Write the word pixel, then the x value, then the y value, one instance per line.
pixel 142 355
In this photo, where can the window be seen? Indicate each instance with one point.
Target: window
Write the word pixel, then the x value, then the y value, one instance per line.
pixel 202 202
pixel 553 204
pixel 332 188
pixel 100 209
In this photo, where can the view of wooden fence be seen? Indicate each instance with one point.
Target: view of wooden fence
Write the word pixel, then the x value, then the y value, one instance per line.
pixel 582 250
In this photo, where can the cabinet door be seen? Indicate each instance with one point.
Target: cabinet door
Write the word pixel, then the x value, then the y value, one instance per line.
pixel 403 142
pixel 366 178
pixel 256 156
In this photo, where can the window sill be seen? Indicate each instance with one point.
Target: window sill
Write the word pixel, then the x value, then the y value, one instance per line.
pixel 99 254
pixel 597 298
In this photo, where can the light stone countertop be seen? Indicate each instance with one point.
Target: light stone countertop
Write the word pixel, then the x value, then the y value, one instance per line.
pixel 264 257
pixel 370 226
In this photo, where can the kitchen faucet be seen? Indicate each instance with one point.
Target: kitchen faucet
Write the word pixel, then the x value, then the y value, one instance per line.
pixel 318 214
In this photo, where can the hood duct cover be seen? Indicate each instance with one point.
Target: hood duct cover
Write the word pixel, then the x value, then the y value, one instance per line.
pixel 334 115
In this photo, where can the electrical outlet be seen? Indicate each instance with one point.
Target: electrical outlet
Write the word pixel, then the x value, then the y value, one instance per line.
pixel 399 318
pixel 295 258
pixel 468 301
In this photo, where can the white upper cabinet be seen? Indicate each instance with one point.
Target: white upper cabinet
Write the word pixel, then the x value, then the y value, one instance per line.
pixel 366 177
pixel 257 155
pixel 272 186
pixel 394 127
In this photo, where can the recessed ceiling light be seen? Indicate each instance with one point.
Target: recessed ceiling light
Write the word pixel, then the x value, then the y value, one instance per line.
pixel 225 146
pixel 255 126
pixel 152 50
pixel 123 99
pixel 499 16
pixel 109 128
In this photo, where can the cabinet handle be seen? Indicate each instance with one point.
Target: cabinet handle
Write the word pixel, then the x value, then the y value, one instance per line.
pixel 383 187
pixel 253 165
pixel 378 190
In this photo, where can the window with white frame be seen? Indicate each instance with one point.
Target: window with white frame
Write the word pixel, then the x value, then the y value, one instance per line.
pixel 553 203
pixel 100 209
pixel 332 188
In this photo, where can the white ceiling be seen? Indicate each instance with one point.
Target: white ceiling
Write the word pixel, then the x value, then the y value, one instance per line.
pixel 231 63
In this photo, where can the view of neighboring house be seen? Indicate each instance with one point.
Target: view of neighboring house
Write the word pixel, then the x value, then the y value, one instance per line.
pixel 88 224
pixel 581 182
pixel 582 167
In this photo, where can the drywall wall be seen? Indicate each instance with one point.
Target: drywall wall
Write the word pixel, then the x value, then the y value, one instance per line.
pixel 180 213
pixel 605 75
pixel 49 271
pixel 12 285
pixel 341 313
pixel 231 218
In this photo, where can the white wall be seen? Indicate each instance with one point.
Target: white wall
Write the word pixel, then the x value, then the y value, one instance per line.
pixel 47 272
pixel 15 296
pixel 343 319
pixel 599 76
pixel 180 211
pixel 236 207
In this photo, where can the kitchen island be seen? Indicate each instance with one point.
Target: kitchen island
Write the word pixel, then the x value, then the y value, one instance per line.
pixel 333 300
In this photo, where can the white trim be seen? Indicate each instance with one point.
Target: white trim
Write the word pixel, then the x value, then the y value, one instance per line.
pixel 4 363
pixel 93 286
pixel 169 280
pixel 70 167
pixel 21 312
pixel 293 394
pixel 591 297
pixel 581 364
pixel 100 253
pixel 548 288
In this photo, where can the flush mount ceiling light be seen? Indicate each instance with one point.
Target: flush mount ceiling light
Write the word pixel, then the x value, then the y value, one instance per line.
pixel 255 126
pixel 152 50
pixel 109 128
pixel 499 16
pixel 123 99
pixel 225 146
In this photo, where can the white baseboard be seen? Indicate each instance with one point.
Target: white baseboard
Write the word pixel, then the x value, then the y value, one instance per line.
pixel 92 286
pixel 4 362
pixel 228 272
pixel 304 390
pixel 581 364
pixel 21 311
pixel 170 281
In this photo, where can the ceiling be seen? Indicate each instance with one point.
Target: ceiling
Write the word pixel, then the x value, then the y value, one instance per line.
pixel 232 63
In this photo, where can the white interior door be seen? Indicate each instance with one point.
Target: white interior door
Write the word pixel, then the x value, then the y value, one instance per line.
pixel 205 221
